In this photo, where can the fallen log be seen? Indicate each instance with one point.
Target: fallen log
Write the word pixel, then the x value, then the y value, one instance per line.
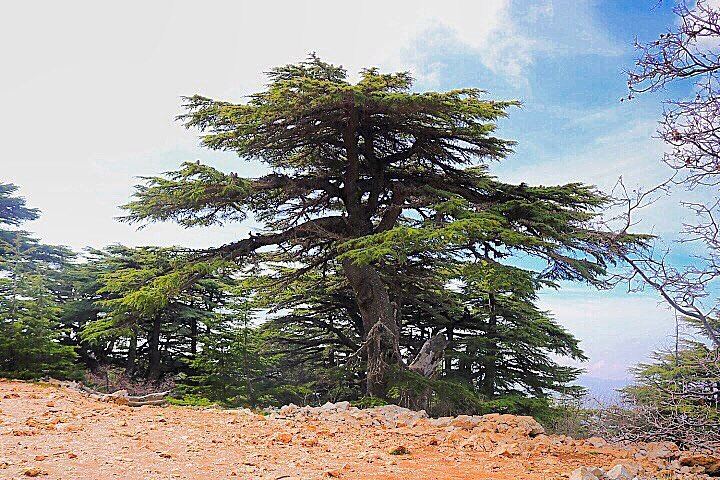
pixel 150 397
pixel 140 403
pixel 120 397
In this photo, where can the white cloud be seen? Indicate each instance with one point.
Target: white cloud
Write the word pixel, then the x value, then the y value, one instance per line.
pixel 616 331
pixel 544 28
pixel 623 144
pixel 89 90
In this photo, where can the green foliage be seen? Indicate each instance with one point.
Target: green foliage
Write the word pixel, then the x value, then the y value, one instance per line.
pixel 13 210
pixel 368 402
pixel 675 397
pixel 149 297
pixel 399 450
pixel 230 368
pixel 29 346
pixel 29 310
pixel 433 144
pixel 307 98
pixel 441 397
pixel 436 396
pixel 194 195
pixel 682 382
pixel 504 336
pixel 392 184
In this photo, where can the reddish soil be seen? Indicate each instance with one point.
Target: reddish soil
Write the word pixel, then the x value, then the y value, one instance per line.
pixel 51 432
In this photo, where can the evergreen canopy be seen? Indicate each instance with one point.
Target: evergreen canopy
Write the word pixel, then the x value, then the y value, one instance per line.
pixel 377 181
pixel 29 306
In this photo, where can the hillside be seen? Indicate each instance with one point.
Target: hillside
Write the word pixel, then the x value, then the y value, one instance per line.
pixel 52 432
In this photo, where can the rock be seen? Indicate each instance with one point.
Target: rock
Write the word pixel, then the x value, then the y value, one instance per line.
pixel 289 409
pixel 583 473
pixel 335 472
pixel 399 450
pixel 662 450
pixel 456 435
pixel 441 422
pixel 620 472
pixel 283 437
pixel 506 450
pixel 309 442
pixel 596 441
pixel 529 426
pixel 33 472
pixel 342 406
pixel 336 407
pixel 119 397
pixel 598 472
pixel 710 463
pixel 395 416
pixel 632 467
pixel 466 421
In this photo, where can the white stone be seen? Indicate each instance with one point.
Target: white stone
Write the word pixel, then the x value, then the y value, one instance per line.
pixel 342 406
pixel 583 473
pixel 598 472
pixel 596 441
pixel 662 450
pixel 619 472
pixel 289 409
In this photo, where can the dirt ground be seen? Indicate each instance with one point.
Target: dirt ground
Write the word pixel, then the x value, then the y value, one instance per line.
pixel 54 433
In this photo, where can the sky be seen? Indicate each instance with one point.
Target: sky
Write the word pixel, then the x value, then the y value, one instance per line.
pixel 89 92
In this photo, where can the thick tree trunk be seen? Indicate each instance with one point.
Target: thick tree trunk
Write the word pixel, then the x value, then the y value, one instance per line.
pixel 488 384
pixel 193 336
pixel 426 363
pixel 246 368
pixel 382 337
pixel 154 346
pixel 467 362
pixel 450 332
pixel 430 356
pixel 132 354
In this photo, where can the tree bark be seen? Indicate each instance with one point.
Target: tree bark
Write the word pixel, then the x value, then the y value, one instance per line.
pixel 132 354
pixel 450 332
pixel 193 336
pixel 488 384
pixel 430 356
pixel 154 346
pixel 382 336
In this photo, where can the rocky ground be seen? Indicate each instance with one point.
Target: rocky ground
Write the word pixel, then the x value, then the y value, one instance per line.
pixel 52 432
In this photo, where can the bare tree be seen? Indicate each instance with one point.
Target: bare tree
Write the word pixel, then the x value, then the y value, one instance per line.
pixel 677 396
pixel 689 52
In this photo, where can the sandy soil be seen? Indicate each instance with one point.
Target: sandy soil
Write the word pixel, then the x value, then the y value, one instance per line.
pixel 54 433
